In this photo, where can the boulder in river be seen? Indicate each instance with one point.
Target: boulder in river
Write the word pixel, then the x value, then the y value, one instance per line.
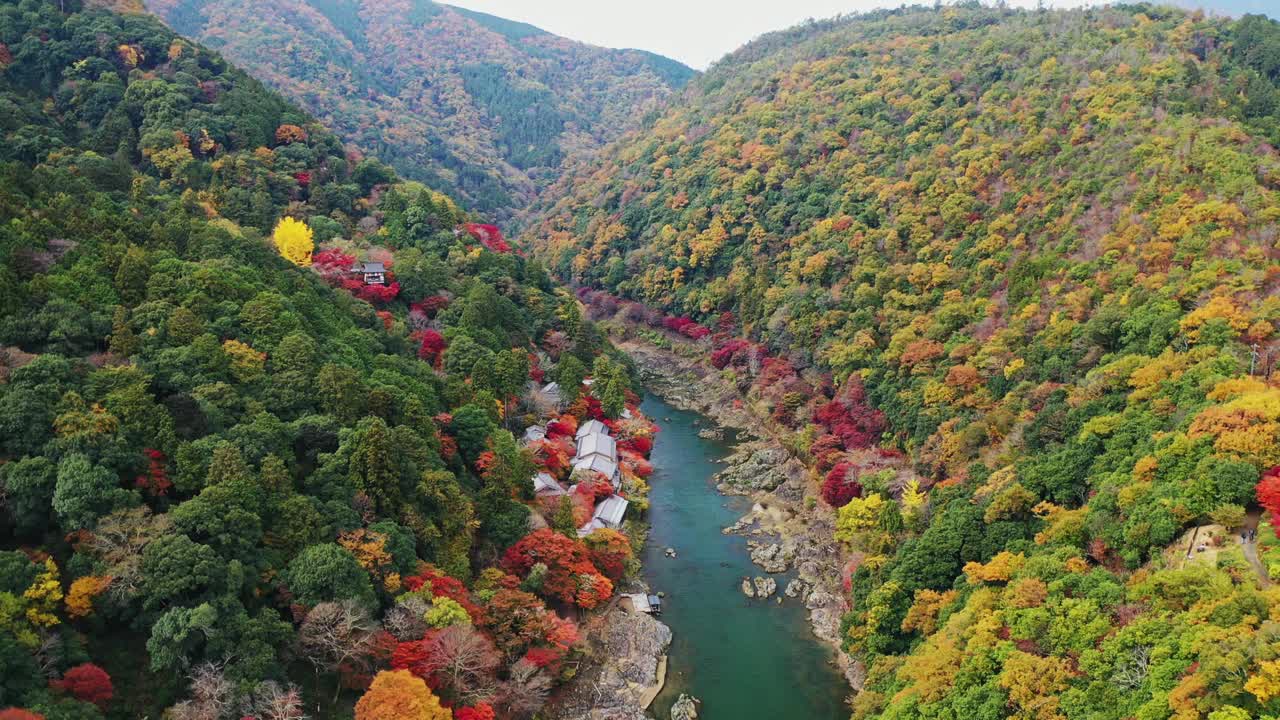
pixel 753 467
pixel 747 589
pixel 711 434
pixel 765 586
pixel 796 588
pixel 686 708
pixel 771 557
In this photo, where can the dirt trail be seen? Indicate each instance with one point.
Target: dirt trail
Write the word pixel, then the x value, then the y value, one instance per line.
pixel 1250 548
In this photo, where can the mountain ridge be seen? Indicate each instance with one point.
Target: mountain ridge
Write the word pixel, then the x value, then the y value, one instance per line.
pixel 1009 277
pixel 458 99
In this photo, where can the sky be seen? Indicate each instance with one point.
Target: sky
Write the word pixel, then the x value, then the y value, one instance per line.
pixel 698 32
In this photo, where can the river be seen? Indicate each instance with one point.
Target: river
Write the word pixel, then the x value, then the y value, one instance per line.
pixel 746 659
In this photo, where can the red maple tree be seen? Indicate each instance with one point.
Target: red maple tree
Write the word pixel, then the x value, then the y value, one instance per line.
pixel 1268 492
pixel 840 487
pixel 88 683
pixel 570 575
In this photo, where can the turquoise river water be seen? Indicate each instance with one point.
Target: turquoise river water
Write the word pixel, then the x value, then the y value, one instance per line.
pixel 745 659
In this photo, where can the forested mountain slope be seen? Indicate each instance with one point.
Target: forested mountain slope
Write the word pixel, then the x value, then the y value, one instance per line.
pixel 237 480
pixel 466 102
pixel 1035 252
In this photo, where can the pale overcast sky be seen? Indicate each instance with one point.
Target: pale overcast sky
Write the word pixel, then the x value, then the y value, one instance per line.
pixel 697 32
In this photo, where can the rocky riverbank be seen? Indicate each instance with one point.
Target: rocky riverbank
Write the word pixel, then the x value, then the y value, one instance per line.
pixel 623 672
pixel 789 537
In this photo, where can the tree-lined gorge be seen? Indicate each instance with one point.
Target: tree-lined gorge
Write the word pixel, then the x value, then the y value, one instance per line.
pixel 1009 278
pixel 1004 280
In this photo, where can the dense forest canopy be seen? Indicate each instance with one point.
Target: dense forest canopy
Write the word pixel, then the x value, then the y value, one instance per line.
pixel 468 103
pixel 1009 278
pixel 237 478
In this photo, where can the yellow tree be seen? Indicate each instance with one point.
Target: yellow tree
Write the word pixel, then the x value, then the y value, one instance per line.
pixel 1265 684
pixel 83 590
pixel 399 695
pixel 1035 684
pixel 294 241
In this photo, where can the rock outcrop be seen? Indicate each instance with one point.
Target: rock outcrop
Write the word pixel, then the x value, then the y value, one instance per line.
pixel 628 668
pixel 772 557
pixel 796 589
pixel 686 708
pixel 765 586
pixel 756 467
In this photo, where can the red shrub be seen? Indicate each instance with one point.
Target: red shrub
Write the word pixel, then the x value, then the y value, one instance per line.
pixel 434 304
pixel 1268 492
pixel 640 444
pixel 477 712
pixel 851 418
pixel 840 487
pixel 411 656
pixel 378 293
pixel 332 259
pixel 88 683
pixel 595 488
pixel 564 426
pixel 731 352
pixel 610 551
pixel 587 407
pixel 642 468
pixel 445 586
pixel 542 657
pixel 489 236
pixel 432 346
pixel 156 482
pixel 826 451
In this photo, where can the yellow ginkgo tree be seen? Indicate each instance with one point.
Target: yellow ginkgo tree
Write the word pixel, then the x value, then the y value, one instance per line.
pixel 294 241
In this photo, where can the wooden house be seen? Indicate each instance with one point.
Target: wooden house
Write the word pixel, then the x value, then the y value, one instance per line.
pixel 592 427
pixel 372 273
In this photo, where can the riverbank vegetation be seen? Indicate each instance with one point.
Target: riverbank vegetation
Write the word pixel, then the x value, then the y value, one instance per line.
pixel 238 478
pixel 1007 278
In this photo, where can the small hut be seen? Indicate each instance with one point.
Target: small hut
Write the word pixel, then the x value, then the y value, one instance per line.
pixel 373 273
pixel 644 603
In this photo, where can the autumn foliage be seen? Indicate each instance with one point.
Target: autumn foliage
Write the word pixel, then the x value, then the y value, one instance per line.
pixel 841 485
pixel 287 134
pixel 570 576
pixel 489 236
pixel 1268 492
pixel 294 241
pixel 398 695
pixel 483 711
pixel 609 551
pixel 156 482
pixel 86 682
